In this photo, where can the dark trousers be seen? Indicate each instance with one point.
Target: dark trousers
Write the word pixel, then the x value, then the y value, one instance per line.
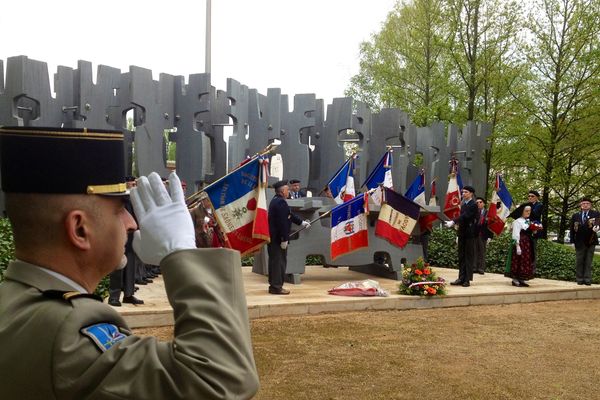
pixel 583 266
pixel 277 265
pixel 123 280
pixel 480 246
pixel 466 258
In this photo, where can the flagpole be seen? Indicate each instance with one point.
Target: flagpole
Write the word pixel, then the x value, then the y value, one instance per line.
pixel 194 198
pixel 311 222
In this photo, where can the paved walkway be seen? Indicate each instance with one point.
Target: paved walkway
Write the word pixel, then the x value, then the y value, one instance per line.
pixel 311 297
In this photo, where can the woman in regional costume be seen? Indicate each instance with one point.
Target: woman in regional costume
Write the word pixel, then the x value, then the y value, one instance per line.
pixel 521 256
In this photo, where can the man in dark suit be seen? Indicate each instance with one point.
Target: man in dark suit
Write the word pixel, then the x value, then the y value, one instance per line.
pixel 280 223
pixel 483 235
pixel 467 232
pixel 295 192
pixel 584 228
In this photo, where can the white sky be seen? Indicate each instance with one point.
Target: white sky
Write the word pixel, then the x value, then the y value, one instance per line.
pixel 300 46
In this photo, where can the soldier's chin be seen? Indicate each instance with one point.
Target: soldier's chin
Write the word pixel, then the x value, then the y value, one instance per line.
pixel 123 262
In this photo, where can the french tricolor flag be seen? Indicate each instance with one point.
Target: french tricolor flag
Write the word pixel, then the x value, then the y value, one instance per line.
pixel 416 191
pixel 349 226
pixel 397 218
pixel 499 207
pixel 240 205
pixel 380 176
pixel 341 185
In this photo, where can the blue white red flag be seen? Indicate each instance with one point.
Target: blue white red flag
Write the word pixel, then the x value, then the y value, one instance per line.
pixel 397 218
pixel 453 194
pixel 380 176
pixel 341 185
pixel 349 226
pixel 416 191
pixel 499 206
pixel 239 201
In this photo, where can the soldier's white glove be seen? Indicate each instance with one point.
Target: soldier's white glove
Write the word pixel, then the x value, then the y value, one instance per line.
pixel 284 245
pixel 306 223
pixel 518 250
pixel 163 218
pixel 449 224
pixel 489 240
pixel 596 228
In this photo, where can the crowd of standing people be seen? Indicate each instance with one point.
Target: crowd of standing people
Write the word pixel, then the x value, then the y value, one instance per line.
pixel 473 236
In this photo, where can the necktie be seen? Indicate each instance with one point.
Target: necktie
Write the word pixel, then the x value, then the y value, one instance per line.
pixel 584 217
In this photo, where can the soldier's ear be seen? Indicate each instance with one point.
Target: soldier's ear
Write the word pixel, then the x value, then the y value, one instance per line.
pixel 77 229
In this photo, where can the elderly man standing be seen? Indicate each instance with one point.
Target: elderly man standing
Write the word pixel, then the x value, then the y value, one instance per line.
pixel 467 233
pixel 280 223
pixel 584 227
pixel 70 230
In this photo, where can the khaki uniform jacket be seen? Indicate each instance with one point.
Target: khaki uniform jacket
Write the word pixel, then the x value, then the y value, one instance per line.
pixel 44 354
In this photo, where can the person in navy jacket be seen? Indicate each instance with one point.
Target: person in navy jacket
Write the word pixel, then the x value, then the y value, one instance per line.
pixel 280 223
pixel 467 233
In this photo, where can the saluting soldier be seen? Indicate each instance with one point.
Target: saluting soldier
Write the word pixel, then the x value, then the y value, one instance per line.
pixel 70 229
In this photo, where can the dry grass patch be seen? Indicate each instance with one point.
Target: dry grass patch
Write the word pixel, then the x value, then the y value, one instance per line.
pixel 521 351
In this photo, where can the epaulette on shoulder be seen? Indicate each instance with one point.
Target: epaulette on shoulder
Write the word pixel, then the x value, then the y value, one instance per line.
pixel 68 296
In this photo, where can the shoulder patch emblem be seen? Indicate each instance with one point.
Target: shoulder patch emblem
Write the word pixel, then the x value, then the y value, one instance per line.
pixel 103 335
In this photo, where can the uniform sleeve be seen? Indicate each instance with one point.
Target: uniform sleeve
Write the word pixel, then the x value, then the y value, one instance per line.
pixel 209 358
pixel 295 219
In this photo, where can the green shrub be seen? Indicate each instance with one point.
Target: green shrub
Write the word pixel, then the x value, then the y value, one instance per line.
pixel 442 248
pixel 7 247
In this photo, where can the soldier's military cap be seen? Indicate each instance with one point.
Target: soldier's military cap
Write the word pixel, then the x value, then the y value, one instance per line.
pixel 62 161
pixel 292 181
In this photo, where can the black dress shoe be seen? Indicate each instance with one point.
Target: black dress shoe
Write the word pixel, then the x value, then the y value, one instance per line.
pixel 466 284
pixel 132 300
pixel 514 283
pixel 114 302
pixel 524 284
pixel 279 291
pixel 580 283
pixel 457 282
pixel 141 282
pixel 588 284
pixel 481 272
pixel 147 280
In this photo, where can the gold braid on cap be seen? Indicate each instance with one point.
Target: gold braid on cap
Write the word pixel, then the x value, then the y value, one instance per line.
pixel 101 189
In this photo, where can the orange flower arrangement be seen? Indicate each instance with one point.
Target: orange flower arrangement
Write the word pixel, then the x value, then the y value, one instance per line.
pixel 420 280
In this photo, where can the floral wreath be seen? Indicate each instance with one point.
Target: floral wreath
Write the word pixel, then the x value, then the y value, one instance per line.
pixel 419 279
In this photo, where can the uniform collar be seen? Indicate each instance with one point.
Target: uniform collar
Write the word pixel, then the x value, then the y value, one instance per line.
pixel 39 277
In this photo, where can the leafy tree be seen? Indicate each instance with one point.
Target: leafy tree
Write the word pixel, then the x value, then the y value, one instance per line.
pixel 563 55
pixel 405 64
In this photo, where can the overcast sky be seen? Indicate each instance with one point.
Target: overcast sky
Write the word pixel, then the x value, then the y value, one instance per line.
pixel 300 46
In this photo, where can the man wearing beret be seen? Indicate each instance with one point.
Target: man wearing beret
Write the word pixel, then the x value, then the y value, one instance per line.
pixel 295 191
pixel 584 227
pixel 467 233
pixel 280 223
pixel 70 230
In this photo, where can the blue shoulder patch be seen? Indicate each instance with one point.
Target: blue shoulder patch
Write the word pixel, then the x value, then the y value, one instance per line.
pixel 104 335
